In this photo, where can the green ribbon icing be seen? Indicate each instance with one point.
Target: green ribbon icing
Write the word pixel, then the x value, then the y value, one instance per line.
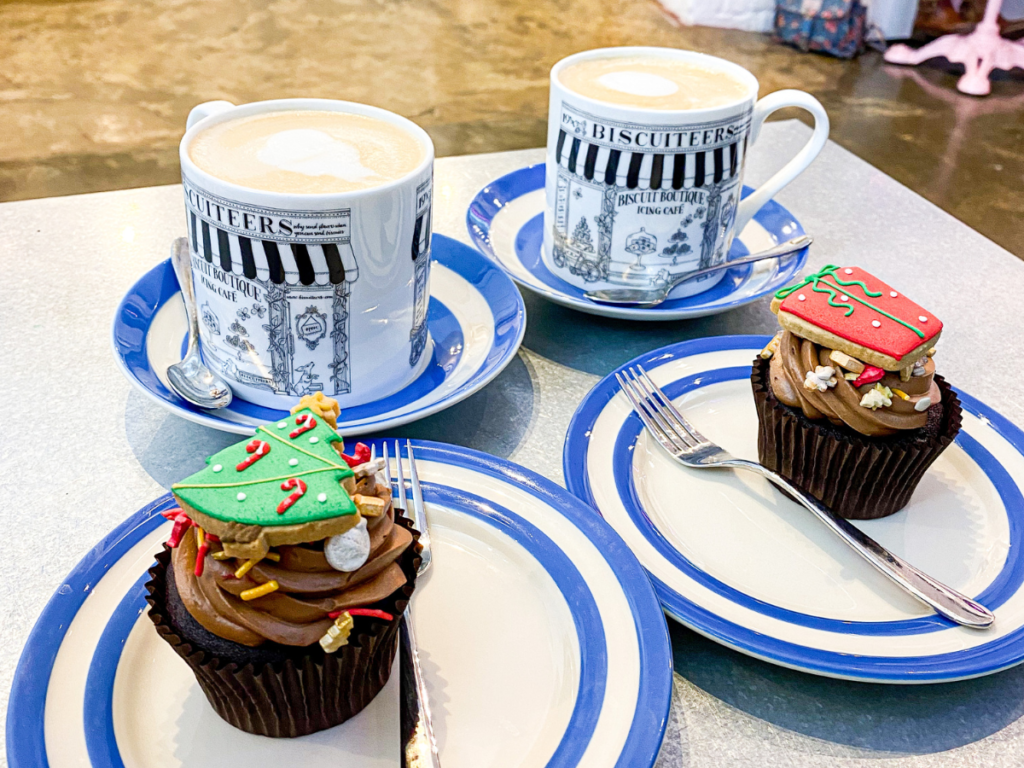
pixel 819 284
pixel 319 466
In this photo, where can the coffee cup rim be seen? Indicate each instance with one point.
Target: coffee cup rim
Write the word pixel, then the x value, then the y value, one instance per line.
pixel 615 52
pixel 276 199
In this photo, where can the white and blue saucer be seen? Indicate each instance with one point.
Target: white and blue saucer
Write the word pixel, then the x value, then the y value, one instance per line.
pixel 476 319
pixel 735 560
pixel 540 638
pixel 506 222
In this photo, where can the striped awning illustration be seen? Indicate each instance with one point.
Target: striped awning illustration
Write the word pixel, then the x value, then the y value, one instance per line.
pixel 648 170
pixel 278 262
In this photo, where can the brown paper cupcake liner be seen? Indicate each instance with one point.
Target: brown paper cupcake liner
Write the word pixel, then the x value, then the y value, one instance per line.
pixel 857 477
pixel 304 690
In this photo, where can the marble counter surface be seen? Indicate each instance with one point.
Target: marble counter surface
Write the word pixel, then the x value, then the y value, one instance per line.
pixel 81 450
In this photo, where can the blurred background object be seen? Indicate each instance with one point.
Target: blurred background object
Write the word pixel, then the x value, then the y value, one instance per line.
pixel 980 52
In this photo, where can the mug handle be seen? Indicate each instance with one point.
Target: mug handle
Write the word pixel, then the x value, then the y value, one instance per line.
pixel 772 102
pixel 208 108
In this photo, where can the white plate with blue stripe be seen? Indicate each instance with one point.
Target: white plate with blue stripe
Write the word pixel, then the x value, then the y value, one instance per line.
pixel 541 638
pixel 735 560
pixel 476 318
pixel 506 222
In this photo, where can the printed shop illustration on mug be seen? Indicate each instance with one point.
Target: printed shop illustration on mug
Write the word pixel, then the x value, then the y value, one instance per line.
pixel 635 206
pixel 286 299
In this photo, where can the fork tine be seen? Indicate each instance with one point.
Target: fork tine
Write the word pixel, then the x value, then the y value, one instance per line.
pixel 659 433
pixel 373 451
pixel 671 409
pixel 400 504
pixel 419 513
pixel 387 467
pixel 658 412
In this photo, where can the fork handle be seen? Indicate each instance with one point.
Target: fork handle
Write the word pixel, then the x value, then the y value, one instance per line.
pixel 944 600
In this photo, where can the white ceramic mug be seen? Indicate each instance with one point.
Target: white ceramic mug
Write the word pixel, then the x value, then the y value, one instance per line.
pixel 299 293
pixel 637 196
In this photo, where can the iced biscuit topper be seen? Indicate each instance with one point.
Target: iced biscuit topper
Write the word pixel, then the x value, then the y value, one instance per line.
pixel 851 310
pixel 286 485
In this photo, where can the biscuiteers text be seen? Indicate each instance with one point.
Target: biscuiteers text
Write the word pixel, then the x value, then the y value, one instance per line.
pixel 637 139
pixel 247 221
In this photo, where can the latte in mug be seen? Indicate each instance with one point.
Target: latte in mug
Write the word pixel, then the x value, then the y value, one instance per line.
pixel 652 82
pixel 306 152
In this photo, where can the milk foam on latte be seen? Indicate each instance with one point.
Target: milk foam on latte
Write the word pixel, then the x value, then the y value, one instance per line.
pixel 306 152
pixel 653 82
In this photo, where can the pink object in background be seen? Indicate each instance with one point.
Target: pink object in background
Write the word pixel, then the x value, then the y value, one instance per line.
pixel 980 52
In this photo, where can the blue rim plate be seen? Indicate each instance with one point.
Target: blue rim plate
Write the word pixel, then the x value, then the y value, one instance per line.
pixel 476 318
pixel 733 559
pixel 506 221
pixel 542 640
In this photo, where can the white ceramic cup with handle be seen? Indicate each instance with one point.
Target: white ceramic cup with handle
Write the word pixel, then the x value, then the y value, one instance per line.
pixel 637 195
pixel 300 292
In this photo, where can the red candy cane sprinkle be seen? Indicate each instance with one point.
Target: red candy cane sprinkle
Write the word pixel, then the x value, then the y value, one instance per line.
pixel 170 514
pixel 362 455
pixel 869 375
pixel 256 449
pixel 181 524
pixel 371 612
pixel 287 485
pixel 204 547
pixel 307 422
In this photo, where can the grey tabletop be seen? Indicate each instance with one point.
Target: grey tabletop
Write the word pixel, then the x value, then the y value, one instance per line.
pixel 80 450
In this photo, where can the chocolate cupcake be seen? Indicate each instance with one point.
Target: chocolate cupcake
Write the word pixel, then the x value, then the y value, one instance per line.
pixel 849 406
pixel 285 577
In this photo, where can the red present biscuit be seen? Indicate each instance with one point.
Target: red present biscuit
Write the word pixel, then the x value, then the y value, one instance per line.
pixel 851 310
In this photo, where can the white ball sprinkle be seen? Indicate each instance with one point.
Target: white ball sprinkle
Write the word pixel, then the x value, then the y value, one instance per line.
pixel 848 271
pixel 292 462
pixel 844 297
pixel 923 319
pixel 314 439
pixel 876 324
pixel 217 467
pixel 893 294
pixel 240 497
pixel 322 498
pixel 801 297
pixel 282 424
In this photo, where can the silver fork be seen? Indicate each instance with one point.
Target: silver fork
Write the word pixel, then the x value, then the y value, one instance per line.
pixel 691 449
pixel 421 751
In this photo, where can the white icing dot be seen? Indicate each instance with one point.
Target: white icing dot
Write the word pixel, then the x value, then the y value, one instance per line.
pixel 923 319
pixel 314 439
pixel 292 462
pixel 240 497
pixel 844 297
pixel 282 424
pixel 876 324
pixel 848 271
pixel 322 498
pixel 217 467
pixel 801 297
pixel 893 294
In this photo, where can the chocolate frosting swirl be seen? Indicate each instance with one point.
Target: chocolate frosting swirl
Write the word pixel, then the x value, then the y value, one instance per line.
pixel 840 404
pixel 309 588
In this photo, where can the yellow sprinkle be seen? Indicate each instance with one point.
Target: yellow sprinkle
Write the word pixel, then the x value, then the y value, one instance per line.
pixel 222 555
pixel 901 394
pixel 851 376
pixel 200 537
pixel 260 591
pixel 273 557
pixel 246 567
